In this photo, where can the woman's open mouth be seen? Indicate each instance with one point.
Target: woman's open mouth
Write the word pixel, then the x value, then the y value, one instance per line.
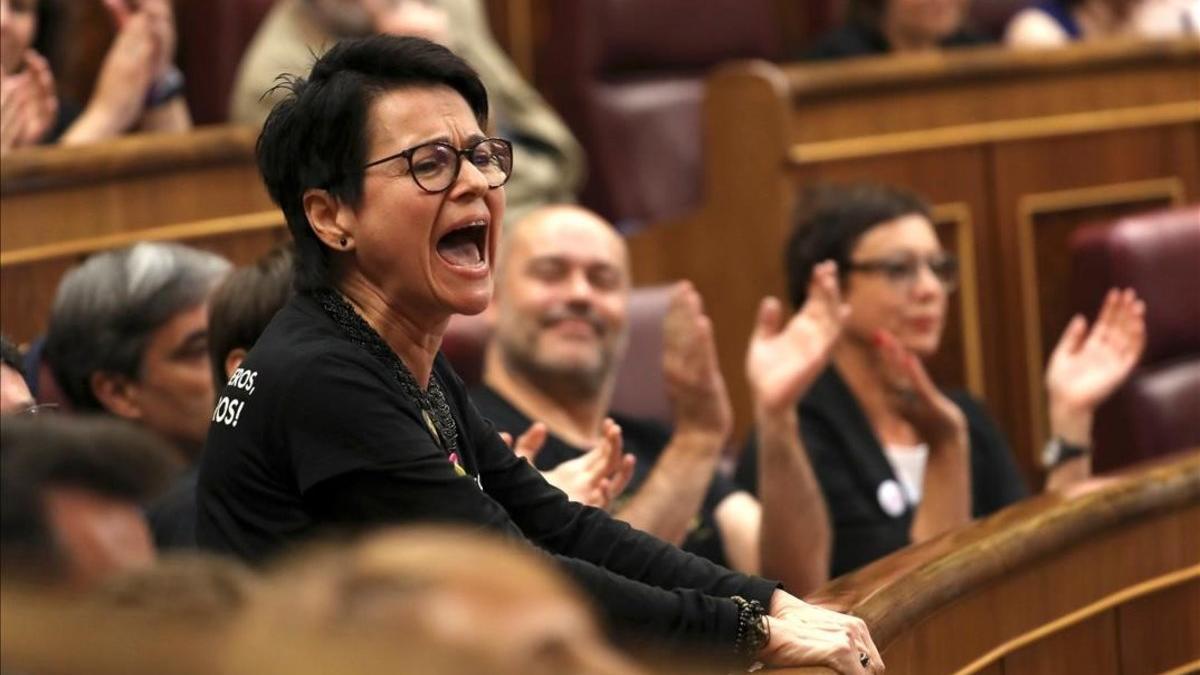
pixel 465 246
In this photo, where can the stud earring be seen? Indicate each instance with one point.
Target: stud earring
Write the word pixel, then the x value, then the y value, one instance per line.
pixel 343 242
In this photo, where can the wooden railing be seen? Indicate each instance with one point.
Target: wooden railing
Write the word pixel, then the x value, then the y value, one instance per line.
pixel 52 195
pixel 29 276
pixel 1014 149
pixel 1104 579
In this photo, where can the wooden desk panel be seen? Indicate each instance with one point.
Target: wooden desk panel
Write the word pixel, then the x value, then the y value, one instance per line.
pixel 55 194
pixel 1103 579
pixel 29 277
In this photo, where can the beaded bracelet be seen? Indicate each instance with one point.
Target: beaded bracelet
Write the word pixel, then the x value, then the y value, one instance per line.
pixel 753 631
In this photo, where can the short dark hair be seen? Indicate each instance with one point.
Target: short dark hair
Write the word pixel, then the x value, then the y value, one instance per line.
pixel 316 137
pixel 10 355
pixel 107 309
pixel 245 303
pixel 98 454
pixel 830 219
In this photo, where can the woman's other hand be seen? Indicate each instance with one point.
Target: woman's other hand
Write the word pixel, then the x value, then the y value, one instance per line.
pixel 910 392
pixel 783 360
pixel 1087 366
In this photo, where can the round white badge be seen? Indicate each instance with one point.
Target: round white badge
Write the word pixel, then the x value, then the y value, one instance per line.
pixel 891 498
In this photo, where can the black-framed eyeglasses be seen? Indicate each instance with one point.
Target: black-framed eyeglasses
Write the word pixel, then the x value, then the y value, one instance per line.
pixel 902 272
pixel 434 166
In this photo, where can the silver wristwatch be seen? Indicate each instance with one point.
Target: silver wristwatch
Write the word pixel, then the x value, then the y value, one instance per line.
pixel 1058 451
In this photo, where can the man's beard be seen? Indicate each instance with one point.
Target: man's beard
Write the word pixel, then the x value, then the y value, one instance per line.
pixel 570 381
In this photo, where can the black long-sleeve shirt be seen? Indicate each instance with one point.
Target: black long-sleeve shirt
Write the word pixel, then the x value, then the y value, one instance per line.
pixel 313 433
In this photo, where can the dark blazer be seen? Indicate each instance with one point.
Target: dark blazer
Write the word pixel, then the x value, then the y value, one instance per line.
pixel 870 518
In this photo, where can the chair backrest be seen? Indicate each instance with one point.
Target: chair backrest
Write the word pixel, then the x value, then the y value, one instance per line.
pixel 213 35
pixel 1158 254
pixel 640 389
pixel 628 77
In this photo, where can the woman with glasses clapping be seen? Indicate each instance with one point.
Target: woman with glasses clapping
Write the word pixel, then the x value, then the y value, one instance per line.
pixel 898 459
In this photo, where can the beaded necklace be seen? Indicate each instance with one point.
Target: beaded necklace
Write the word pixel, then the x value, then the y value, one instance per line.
pixel 434 409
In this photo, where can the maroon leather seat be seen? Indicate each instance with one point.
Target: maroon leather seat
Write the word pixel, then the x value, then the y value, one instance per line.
pixel 628 79
pixel 1158 254
pixel 213 35
pixel 640 388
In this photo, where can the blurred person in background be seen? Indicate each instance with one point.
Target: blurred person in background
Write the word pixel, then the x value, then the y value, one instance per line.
pixel 239 310
pixel 176 616
pixel 128 335
pixel 875 27
pixel 425 586
pixel 72 498
pixel 14 392
pixel 296 31
pixel 561 321
pixel 898 459
pixel 198 590
pixel 138 87
pixel 1054 23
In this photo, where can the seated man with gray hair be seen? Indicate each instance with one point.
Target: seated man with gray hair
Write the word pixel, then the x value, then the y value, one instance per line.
pixel 128 336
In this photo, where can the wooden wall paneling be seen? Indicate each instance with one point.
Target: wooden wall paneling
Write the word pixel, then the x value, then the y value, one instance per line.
pixel 942 98
pixel 971 598
pixel 1089 647
pixel 1161 631
pixel 1044 190
pixel 56 194
pixel 29 278
pixel 1009 615
pixel 962 343
pixel 898 654
pixel 994 669
pixel 132 204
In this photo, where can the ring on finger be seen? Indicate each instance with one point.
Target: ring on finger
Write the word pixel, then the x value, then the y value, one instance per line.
pixel 863 659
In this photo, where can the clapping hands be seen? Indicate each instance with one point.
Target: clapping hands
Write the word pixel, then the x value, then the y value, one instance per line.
pixel 936 419
pixel 28 103
pixel 695 386
pixel 594 478
pixel 141 54
pixel 784 359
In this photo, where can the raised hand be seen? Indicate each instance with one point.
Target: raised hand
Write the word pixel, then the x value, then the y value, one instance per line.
pixel 808 635
pixel 44 105
pixel 162 26
pixel 783 360
pixel 1087 366
pixel 695 386
pixel 129 69
pixel 914 397
pixel 16 97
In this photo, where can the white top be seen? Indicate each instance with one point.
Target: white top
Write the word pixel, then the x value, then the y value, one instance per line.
pixel 908 462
